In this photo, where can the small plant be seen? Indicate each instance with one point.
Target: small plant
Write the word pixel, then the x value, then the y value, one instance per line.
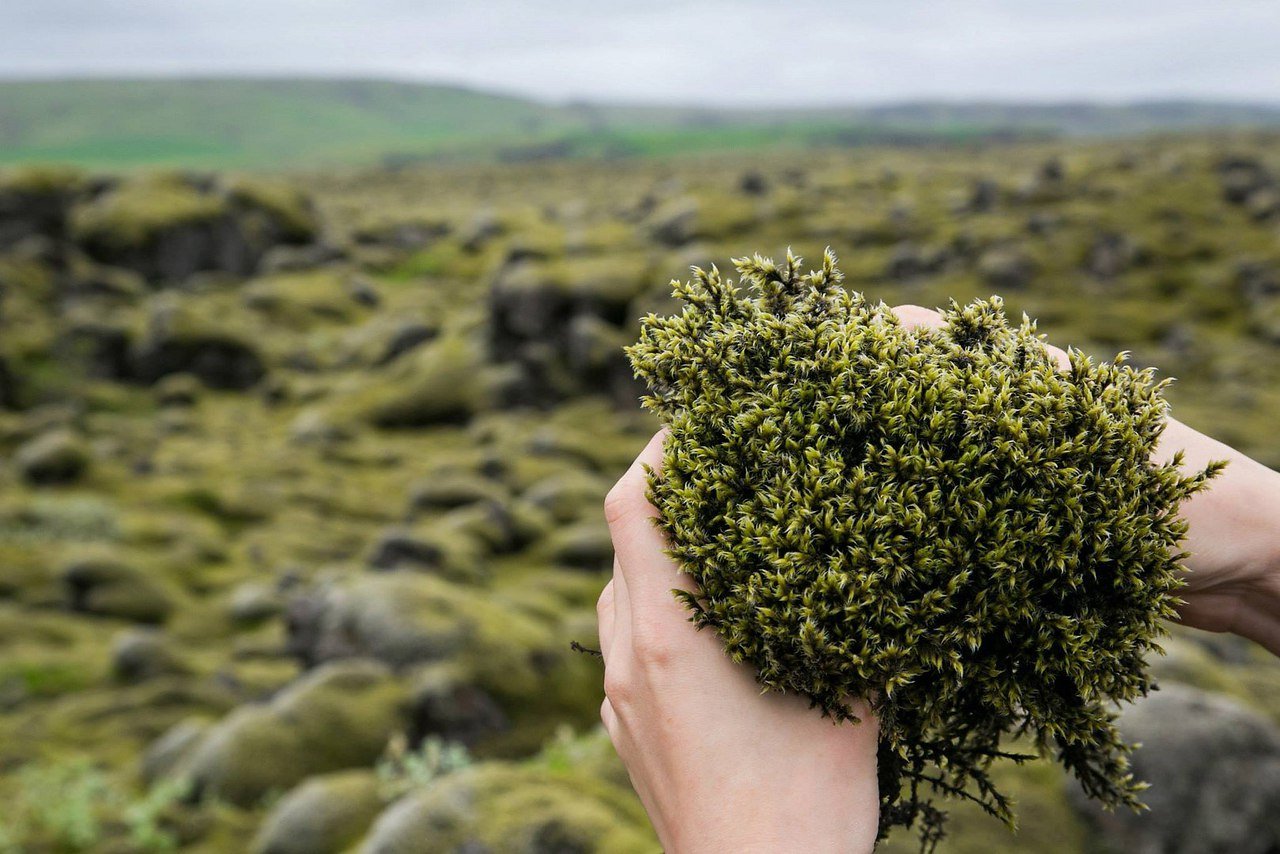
pixel 941 521
pixel 402 770
pixel 74 806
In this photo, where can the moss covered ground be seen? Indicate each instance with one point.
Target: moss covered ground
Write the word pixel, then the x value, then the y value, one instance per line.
pixel 378 437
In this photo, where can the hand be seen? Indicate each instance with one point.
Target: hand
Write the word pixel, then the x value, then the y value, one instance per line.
pixel 1233 536
pixel 719 766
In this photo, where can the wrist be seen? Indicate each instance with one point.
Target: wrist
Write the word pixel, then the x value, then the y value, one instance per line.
pixel 1257 614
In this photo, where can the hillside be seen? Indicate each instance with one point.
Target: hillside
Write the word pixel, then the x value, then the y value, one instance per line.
pixel 289 124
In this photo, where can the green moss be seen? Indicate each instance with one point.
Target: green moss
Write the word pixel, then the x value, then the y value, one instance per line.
pixel 339 716
pixel 443 381
pixel 132 214
pixel 290 208
pixel 325 815
pixel 938 520
pixel 303 300
pixel 43 180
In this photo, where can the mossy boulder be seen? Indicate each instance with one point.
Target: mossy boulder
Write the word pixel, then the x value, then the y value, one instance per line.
pixel 569 495
pixel 169 226
pixel 35 200
pixel 444 381
pixel 107 586
pixel 556 322
pixel 304 299
pixel 182 339
pixel 141 654
pixel 1214 767
pixel 434 547
pixel 452 488
pixel 338 716
pixel 506 809
pixel 55 457
pixel 580 545
pixel 515 653
pixel 325 815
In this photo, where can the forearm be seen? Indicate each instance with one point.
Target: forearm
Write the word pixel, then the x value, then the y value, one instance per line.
pixel 1233 539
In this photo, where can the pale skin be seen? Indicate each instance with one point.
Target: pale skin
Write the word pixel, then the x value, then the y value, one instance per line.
pixel 721 767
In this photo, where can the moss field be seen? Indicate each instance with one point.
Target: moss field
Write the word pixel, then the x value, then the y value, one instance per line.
pixel 258 529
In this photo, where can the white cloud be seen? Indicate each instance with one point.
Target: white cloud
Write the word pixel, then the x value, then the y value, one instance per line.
pixel 751 51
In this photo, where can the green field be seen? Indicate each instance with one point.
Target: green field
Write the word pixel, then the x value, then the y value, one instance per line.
pixel 290 124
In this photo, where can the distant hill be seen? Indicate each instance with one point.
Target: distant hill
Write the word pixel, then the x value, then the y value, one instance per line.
pixel 297 123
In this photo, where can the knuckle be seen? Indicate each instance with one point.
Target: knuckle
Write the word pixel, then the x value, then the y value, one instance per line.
pixel 605 600
pixel 652 651
pixel 621 500
pixel 617 688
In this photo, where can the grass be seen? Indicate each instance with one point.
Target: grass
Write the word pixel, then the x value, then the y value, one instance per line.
pixel 312 123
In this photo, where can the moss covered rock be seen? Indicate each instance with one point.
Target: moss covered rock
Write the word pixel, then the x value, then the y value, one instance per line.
pixel 182 339
pixel 515 653
pixel 444 381
pixel 1214 767
pixel 170 226
pixel 339 716
pixel 107 586
pixel 325 815
pixel 56 457
pixel 35 201
pixel 511 810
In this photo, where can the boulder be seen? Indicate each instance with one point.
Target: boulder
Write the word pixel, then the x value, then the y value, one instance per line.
pixel 166 752
pixel 98 346
pixel 408 336
pixel 338 716
pixel 581 545
pixel 569 495
pixel 141 654
pixel 35 201
pixel 1006 268
pixel 501 647
pixel 912 261
pixel 497 807
pixel 1111 254
pixel 54 457
pixel 106 586
pixel 444 703
pixel 325 815
pixel 1214 769
pixel 562 324
pixel 168 227
pixel 437 549
pixel 447 490
pixel 181 340
pixel 442 382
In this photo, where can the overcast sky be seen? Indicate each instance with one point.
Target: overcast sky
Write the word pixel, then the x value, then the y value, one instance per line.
pixel 744 52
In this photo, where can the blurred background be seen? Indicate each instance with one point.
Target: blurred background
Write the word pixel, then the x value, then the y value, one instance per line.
pixel 311 382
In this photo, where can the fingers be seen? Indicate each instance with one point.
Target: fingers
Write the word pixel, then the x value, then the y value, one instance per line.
pixel 638 544
pixel 609 718
pixel 606 615
pixel 912 316
pixel 621 609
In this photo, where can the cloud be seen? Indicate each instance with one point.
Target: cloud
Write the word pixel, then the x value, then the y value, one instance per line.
pixel 749 52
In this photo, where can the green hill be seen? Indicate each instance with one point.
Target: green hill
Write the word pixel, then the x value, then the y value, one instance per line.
pixel 299 123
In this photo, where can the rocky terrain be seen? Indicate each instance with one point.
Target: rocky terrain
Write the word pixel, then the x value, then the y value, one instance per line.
pixel 300 477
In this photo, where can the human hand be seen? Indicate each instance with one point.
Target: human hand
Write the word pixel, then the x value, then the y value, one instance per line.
pixel 719 766
pixel 1233 535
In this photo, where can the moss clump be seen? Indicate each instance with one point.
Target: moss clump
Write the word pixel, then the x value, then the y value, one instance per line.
pixel 937 519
